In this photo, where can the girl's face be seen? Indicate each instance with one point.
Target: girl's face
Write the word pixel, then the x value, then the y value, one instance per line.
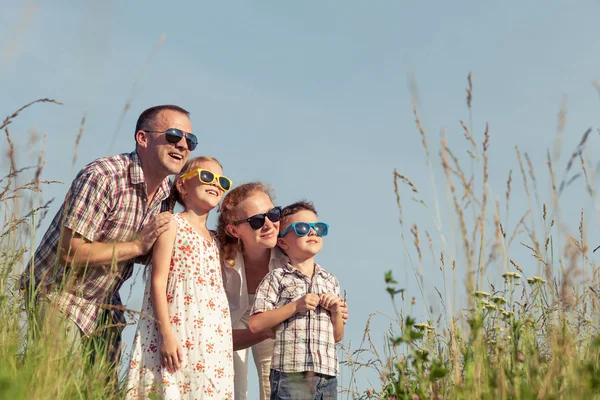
pixel 199 195
pixel 263 237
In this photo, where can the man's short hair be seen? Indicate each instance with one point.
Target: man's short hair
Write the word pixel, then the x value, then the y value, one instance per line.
pixel 146 119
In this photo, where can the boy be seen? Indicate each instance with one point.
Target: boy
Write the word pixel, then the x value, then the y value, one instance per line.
pixel 301 301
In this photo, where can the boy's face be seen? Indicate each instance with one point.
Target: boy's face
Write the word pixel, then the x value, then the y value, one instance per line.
pixel 300 246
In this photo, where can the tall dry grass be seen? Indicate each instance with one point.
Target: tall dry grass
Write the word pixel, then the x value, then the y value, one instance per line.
pixel 532 333
pixel 36 359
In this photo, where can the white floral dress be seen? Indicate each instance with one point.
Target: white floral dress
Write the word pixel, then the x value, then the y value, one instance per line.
pixel 200 319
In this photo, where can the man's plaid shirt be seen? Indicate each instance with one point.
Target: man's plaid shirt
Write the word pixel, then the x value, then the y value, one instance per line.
pixel 304 342
pixel 108 203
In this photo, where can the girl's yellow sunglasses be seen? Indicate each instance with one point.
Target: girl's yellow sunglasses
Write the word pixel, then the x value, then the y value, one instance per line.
pixel 208 178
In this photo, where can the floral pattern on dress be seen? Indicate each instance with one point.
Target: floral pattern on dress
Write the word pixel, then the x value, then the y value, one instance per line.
pixel 199 314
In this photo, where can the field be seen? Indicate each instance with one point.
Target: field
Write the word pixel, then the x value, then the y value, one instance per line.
pixel 531 336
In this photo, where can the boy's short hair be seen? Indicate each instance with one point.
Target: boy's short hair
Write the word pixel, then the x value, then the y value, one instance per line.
pixel 294 208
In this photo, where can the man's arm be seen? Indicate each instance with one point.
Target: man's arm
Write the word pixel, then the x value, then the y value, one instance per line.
pixel 87 206
pixel 75 250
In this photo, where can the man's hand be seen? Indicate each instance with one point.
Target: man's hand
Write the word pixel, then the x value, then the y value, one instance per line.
pixel 308 302
pixel 330 302
pixel 152 230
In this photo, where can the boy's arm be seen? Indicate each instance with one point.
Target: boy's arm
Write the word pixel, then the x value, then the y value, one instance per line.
pixel 269 319
pixel 265 316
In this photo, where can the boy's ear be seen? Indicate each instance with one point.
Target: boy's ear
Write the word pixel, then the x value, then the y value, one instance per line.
pixel 231 231
pixel 281 243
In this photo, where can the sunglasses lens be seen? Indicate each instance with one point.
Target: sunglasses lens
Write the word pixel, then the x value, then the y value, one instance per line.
pixel 174 136
pixel 302 228
pixel 191 140
pixel 256 222
pixel 274 215
pixel 321 229
pixel 225 183
pixel 206 176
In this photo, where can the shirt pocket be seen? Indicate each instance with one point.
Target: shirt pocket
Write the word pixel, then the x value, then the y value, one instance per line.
pixel 291 293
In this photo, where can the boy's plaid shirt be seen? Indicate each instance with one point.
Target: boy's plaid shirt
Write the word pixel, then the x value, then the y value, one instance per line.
pixel 304 342
pixel 107 202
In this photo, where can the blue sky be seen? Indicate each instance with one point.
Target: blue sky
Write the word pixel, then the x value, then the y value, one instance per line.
pixel 313 98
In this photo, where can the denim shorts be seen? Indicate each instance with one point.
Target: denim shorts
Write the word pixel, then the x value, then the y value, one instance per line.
pixel 302 386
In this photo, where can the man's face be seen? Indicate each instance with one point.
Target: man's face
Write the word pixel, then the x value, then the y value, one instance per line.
pixel 167 158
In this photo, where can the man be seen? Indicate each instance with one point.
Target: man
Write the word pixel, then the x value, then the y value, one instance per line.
pixel 111 215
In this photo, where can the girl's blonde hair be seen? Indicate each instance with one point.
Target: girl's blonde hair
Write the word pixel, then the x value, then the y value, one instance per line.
pixel 175 197
pixel 230 246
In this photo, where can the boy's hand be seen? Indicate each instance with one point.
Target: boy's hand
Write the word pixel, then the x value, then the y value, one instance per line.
pixel 307 302
pixel 330 302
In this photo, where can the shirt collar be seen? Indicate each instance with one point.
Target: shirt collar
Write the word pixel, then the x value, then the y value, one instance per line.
pixel 136 175
pixel 318 270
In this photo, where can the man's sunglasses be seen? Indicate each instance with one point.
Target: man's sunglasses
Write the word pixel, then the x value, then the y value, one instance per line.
pixel 258 221
pixel 207 177
pixel 303 228
pixel 174 135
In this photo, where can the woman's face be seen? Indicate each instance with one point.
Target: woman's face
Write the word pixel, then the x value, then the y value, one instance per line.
pixel 263 237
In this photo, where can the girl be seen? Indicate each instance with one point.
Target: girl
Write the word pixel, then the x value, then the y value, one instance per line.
pixel 182 348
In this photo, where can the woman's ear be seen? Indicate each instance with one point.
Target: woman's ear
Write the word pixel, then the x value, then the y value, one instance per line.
pixel 231 231
pixel 141 138
pixel 281 243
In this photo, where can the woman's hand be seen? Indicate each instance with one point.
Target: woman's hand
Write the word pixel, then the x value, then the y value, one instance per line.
pixel 171 354
pixel 344 309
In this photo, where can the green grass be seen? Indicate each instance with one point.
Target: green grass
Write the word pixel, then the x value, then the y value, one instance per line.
pixel 531 336
pixel 520 337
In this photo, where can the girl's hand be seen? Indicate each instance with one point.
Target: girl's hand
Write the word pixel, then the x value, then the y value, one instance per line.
pixel 330 302
pixel 171 354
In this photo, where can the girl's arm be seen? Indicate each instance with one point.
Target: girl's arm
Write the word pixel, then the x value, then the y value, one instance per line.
pixel 171 352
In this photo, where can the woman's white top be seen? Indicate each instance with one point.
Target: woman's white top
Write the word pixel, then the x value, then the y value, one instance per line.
pixel 236 285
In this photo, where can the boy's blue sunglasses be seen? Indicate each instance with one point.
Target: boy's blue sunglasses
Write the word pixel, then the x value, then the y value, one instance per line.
pixel 303 228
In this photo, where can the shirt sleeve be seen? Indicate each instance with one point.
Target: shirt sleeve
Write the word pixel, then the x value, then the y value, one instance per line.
pixel 86 206
pixel 267 294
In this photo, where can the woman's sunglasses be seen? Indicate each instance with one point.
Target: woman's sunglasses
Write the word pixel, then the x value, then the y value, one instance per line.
pixel 257 221
pixel 303 228
pixel 174 135
pixel 207 177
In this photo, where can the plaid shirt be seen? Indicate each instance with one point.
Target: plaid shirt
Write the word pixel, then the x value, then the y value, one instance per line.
pixel 305 341
pixel 108 203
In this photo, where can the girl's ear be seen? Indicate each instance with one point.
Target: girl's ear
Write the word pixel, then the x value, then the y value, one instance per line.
pixel 141 138
pixel 180 187
pixel 231 231
pixel 281 243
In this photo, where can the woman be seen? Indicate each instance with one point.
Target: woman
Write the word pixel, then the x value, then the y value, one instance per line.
pixel 247 230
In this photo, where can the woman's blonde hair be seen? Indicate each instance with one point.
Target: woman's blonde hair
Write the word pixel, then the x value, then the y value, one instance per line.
pixel 175 197
pixel 230 246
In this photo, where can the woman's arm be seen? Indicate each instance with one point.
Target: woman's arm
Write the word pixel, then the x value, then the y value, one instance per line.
pixel 244 338
pixel 170 351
